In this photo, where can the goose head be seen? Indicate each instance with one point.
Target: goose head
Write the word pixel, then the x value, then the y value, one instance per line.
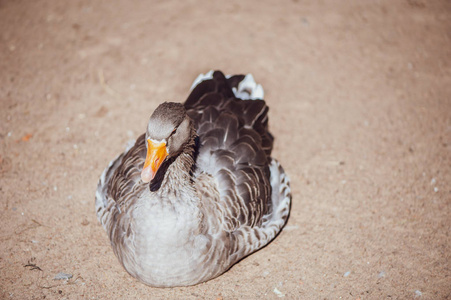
pixel 168 131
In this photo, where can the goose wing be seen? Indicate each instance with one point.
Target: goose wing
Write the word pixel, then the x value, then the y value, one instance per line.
pixel 234 148
pixel 120 183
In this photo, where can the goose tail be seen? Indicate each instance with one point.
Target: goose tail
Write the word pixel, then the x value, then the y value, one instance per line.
pixel 243 86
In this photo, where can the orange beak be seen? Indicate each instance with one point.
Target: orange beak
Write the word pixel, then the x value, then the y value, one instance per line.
pixel 156 153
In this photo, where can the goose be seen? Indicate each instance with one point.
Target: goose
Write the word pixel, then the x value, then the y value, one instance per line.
pixel 199 190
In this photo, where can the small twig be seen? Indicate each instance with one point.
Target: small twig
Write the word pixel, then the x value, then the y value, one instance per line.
pixel 49 287
pixel 31 226
pixel 34 221
pixel 105 86
pixel 32 266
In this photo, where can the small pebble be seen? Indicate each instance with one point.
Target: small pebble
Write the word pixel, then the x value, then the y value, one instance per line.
pixel 55 188
pixel 418 293
pixel 381 274
pixel 433 181
pixel 278 293
pixel 62 276
pixel 347 274
pixel 435 189
pixel 34 242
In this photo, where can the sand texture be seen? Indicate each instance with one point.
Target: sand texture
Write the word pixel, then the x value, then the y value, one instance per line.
pixel 360 107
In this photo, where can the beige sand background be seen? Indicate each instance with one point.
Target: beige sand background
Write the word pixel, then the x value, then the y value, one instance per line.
pixel 360 105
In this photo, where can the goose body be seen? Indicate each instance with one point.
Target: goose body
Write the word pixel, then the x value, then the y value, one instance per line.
pixel 199 190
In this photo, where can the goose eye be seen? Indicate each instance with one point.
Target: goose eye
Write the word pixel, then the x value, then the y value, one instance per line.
pixel 173 131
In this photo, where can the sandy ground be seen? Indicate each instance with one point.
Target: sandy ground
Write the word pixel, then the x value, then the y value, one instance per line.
pixel 360 98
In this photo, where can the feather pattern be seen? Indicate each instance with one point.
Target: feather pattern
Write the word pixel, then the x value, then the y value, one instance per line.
pixel 218 196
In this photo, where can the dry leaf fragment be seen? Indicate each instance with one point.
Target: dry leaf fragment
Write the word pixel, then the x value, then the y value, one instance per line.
pixel 27 137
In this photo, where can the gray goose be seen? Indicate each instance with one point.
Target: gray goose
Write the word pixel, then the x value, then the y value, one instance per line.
pixel 199 190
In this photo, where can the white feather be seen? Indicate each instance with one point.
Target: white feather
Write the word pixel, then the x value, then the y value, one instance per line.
pixel 248 89
pixel 202 77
